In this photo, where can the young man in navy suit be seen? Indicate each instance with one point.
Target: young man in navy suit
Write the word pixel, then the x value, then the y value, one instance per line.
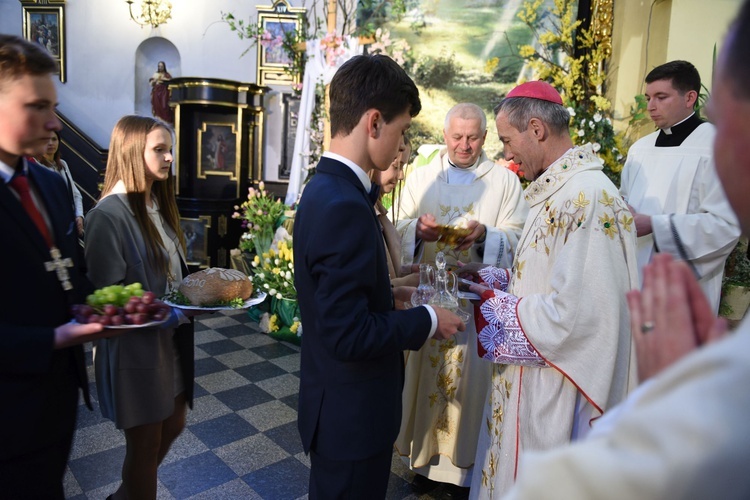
pixel 352 366
pixel 41 363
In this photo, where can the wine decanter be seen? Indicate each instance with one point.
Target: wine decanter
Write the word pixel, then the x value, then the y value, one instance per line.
pixel 426 289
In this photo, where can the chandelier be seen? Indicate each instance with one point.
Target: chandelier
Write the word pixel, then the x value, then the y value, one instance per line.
pixel 153 12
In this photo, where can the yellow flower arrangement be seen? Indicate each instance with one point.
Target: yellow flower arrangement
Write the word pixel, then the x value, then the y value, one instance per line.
pixel 274 271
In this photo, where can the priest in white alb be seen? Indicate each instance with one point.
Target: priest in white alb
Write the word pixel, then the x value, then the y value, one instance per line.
pixel 556 324
pixel 669 181
pixel 683 434
pixel 446 381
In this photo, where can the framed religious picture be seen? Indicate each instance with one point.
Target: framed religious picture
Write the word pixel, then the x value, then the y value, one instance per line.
pixel 45 25
pixel 281 26
pixel 217 150
pixel 196 240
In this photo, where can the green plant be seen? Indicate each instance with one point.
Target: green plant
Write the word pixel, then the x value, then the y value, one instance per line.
pixel 289 42
pixel 436 72
pixel 736 275
pixel 374 14
pixel 261 215
pixel 737 267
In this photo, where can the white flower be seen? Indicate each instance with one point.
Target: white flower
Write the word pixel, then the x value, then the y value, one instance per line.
pixel 619 157
pixel 591 124
pixel 279 296
pixel 255 264
pixel 272 291
pixel 265 285
pixel 263 324
pixel 581 133
pixel 276 261
pixel 571 111
pixel 596 147
pixel 288 275
pixel 597 117
pixel 608 121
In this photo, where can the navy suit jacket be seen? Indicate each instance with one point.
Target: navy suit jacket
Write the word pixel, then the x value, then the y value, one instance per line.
pixel 38 384
pixel 352 366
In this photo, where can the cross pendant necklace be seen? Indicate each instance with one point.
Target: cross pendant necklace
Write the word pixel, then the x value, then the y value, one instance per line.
pixel 60 266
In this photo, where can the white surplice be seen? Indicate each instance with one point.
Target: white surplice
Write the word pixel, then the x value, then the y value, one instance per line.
pixel 446 382
pixel 683 434
pixel 561 337
pixel 690 215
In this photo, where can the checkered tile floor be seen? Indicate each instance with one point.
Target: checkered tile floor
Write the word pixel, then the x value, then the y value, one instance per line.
pixel 241 440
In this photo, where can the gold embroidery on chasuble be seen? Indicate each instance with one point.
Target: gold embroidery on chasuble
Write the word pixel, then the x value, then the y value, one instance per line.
pixel 499 396
pixel 556 221
pixel 446 360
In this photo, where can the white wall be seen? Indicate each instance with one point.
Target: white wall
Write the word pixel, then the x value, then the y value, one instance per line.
pixel 108 63
pixel 713 25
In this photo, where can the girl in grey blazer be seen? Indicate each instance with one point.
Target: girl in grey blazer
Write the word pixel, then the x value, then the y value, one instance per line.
pixel 144 377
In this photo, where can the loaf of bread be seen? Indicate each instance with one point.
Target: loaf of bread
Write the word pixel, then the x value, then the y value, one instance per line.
pixel 215 285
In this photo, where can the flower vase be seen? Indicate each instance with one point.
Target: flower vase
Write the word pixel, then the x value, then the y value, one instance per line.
pixel 262 240
pixel 255 313
pixel 288 221
pixel 287 311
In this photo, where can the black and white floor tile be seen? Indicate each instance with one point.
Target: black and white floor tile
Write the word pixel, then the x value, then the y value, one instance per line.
pixel 241 439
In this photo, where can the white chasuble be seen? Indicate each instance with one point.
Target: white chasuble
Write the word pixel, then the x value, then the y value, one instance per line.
pixel 682 434
pixel 560 339
pixel 690 215
pixel 446 382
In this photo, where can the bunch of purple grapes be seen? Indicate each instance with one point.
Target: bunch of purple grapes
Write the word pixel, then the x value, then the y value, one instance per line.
pixel 138 310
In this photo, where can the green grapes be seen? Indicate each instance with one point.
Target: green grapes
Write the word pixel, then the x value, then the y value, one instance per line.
pixel 114 294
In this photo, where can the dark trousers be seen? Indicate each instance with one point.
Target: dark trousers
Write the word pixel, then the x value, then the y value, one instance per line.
pixel 345 479
pixel 37 475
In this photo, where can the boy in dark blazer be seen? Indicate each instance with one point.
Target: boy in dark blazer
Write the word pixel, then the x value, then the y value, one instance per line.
pixel 41 362
pixel 352 362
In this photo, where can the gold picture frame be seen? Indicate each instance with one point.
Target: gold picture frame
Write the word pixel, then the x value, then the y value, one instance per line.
pixel 277 20
pixel 196 240
pixel 217 150
pixel 45 25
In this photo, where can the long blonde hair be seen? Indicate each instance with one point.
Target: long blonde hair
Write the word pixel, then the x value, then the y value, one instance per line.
pixel 126 163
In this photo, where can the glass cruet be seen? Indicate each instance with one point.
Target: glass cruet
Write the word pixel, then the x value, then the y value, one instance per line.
pixel 446 289
pixel 426 288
